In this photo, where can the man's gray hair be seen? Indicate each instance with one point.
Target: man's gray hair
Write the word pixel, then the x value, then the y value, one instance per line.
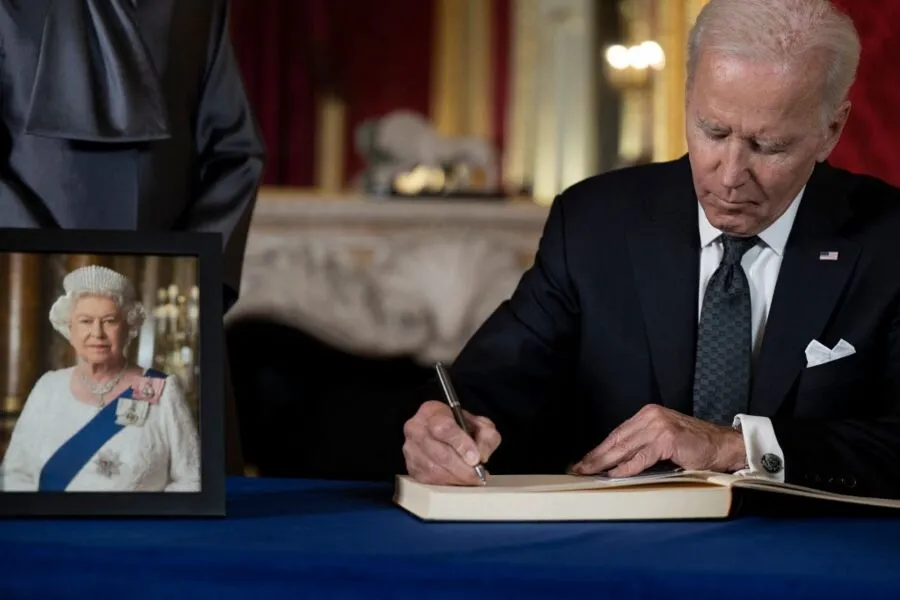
pixel 783 32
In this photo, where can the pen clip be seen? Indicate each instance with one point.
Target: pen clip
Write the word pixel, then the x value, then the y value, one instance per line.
pixel 450 395
pixel 449 392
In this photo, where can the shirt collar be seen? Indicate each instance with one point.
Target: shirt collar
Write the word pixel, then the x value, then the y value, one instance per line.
pixel 775 236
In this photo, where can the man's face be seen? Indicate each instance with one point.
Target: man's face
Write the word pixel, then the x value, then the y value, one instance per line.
pixel 754 134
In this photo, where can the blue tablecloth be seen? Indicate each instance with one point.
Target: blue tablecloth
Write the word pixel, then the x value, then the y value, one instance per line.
pixel 313 539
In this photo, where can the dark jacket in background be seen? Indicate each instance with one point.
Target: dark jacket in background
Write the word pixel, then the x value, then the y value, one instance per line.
pixel 126 114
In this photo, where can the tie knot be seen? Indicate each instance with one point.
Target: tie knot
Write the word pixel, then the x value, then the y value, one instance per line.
pixel 736 247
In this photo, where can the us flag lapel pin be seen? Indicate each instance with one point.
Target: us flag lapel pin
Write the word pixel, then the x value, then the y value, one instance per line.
pixel 828 255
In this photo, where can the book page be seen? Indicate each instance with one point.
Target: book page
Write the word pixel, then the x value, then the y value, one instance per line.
pixel 514 483
pixel 558 483
pixel 767 483
pixel 661 470
pixel 763 483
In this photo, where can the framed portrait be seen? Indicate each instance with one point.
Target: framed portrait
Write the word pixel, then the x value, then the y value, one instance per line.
pixel 111 373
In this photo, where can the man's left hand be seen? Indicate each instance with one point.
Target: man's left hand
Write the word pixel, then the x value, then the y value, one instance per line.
pixel 657 433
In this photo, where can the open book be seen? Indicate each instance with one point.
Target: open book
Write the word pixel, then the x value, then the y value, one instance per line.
pixel 673 495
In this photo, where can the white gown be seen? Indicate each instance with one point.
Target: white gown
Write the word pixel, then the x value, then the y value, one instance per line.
pixel 162 455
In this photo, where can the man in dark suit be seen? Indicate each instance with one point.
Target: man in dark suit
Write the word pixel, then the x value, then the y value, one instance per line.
pixel 736 310
pixel 119 114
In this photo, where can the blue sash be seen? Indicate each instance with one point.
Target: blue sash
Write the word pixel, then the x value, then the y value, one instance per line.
pixel 70 458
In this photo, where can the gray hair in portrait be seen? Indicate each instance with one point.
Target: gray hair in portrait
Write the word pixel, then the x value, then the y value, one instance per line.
pixel 95 280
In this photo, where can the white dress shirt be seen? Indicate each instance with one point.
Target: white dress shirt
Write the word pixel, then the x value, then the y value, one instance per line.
pixel 761 264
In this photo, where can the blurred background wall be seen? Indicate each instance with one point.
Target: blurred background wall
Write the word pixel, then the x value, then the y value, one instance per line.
pixel 870 138
pixel 316 69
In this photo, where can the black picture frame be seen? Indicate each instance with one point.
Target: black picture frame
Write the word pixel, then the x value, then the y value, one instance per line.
pixel 210 500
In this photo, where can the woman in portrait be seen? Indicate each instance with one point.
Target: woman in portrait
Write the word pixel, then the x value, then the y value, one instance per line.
pixel 103 424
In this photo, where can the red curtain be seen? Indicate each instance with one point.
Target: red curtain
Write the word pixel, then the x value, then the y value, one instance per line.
pixel 375 55
pixel 386 51
pixel 273 45
pixel 501 39
pixel 871 140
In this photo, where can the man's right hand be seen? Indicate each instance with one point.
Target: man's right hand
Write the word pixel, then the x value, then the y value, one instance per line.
pixel 437 451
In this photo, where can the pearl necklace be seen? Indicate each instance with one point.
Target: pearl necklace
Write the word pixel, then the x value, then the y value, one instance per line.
pixel 100 390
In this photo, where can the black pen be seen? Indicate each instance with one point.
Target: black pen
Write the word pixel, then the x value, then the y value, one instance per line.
pixel 453 401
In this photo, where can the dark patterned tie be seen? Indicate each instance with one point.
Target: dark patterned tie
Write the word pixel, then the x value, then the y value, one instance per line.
pixel 723 363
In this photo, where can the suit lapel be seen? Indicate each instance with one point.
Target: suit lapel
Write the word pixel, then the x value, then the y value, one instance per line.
pixel 664 247
pixel 807 291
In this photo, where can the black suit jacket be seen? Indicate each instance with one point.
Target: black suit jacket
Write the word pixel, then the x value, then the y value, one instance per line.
pixel 126 114
pixel 605 322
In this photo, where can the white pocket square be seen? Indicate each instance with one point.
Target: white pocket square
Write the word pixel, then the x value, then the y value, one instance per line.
pixel 819 354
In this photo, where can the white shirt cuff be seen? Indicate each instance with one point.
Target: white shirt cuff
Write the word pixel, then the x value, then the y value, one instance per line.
pixel 764 455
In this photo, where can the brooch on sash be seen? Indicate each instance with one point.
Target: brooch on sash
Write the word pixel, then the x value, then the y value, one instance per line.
pixel 108 464
pixel 133 411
